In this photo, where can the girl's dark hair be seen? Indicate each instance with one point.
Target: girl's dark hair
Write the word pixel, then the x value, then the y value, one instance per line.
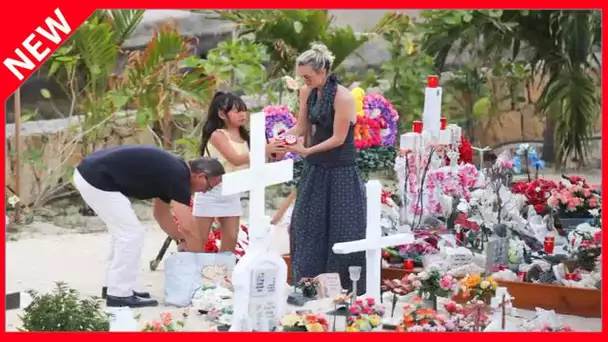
pixel 221 102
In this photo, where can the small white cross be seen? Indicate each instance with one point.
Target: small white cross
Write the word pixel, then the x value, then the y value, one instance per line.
pixel 256 178
pixel 374 241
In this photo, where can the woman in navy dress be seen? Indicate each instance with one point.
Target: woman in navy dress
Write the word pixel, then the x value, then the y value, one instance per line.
pixel 330 202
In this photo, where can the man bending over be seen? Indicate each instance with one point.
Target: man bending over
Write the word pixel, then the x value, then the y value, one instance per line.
pixel 106 179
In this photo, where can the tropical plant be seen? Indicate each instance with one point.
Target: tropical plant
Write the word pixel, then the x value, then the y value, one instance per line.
pixel 155 81
pixel 287 33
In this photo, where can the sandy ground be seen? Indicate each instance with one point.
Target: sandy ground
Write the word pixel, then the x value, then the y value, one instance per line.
pixel 38 260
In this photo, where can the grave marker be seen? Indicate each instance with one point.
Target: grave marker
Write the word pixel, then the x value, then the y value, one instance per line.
pixel 497 253
pixel 374 241
pixel 260 276
pixel 256 178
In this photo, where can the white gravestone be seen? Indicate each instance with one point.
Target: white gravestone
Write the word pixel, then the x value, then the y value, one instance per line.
pixel 374 241
pixel 497 253
pixel 256 178
pixel 259 289
pixel 260 276
pixel 458 257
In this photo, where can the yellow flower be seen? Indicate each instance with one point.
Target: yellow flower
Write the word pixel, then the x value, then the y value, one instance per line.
pixel 314 327
pixel 358 94
pixel 484 284
pixel 472 280
pixel 351 329
pixel 290 320
pixel 374 320
pixel 492 282
pixel 410 48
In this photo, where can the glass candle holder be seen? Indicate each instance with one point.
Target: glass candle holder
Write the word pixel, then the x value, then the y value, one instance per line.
pixel 417 126
pixel 408 265
pixel 549 245
pixel 432 81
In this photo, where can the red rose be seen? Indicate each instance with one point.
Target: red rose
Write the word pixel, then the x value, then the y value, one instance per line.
pixel 540 208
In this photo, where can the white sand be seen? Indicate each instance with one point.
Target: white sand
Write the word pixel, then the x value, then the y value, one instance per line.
pixel 37 261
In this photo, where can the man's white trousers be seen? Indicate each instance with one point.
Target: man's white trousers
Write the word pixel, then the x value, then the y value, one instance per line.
pixel 126 235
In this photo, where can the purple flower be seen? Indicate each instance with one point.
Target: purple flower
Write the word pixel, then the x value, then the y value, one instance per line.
pixel 377 107
pixel 279 120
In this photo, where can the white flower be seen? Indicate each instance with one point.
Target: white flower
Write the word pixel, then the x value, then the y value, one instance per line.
pixel 463 206
pixel 13 200
pixel 537 189
pixel 411 277
pixel 594 212
pixel 423 275
pixel 416 283
pixel 484 284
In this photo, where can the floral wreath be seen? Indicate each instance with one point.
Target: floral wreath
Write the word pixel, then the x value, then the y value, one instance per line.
pixel 367 133
pixel 377 107
pixel 278 121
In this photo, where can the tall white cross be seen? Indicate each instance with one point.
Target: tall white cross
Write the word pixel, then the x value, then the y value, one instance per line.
pixel 256 178
pixel 374 241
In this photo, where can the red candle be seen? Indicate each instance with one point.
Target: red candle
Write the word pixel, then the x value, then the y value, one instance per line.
pixel 408 265
pixel 417 127
pixel 444 123
pixel 432 81
pixel 569 276
pixel 549 245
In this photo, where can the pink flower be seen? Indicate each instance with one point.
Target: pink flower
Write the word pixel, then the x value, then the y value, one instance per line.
pixel 353 310
pixel 156 326
pixel 592 203
pixel 368 310
pixel 507 164
pixel 552 201
pixel 586 192
pixel 585 244
pixel 370 301
pixel 166 318
pixel 446 282
pixel 597 237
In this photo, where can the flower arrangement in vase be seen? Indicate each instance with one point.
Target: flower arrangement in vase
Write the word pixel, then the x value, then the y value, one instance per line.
pixel 308 286
pixel 476 287
pixel 166 323
pixel 474 316
pixel 364 315
pixel 432 284
pixel 305 322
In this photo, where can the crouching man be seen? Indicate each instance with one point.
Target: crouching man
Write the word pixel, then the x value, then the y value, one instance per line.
pixel 107 178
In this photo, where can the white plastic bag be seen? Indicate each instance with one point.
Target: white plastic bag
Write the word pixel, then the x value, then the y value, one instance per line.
pixel 184 274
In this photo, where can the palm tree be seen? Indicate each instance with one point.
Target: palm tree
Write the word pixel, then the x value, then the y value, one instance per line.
pixel 559 46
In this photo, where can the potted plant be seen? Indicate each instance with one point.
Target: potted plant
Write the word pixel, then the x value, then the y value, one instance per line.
pixel 572 200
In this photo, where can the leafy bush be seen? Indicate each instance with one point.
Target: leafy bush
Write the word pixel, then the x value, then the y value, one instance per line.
pixel 63 310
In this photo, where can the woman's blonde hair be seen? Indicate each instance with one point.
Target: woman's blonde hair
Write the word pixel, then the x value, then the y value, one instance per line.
pixel 318 57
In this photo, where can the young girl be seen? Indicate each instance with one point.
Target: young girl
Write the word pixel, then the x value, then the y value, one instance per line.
pixel 225 138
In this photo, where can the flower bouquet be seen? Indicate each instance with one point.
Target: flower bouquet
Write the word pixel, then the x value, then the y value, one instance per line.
pixel 536 192
pixel 166 323
pixel 378 108
pixel 304 323
pixel 573 198
pixel 475 287
pixel 398 287
pixel 474 316
pixel 364 315
pixel 308 286
pixel 432 284
pixel 416 318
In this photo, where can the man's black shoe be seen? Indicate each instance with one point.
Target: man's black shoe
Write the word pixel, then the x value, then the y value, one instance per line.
pixel 132 302
pixel 104 293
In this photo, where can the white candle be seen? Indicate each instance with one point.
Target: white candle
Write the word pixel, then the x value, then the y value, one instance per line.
pixel 408 141
pixel 431 114
pixel 445 137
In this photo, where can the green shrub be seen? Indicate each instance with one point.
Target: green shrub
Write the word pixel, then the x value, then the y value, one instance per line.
pixel 63 310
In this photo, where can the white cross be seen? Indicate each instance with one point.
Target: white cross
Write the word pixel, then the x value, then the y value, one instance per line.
pixel 256 179
pixel 374 241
